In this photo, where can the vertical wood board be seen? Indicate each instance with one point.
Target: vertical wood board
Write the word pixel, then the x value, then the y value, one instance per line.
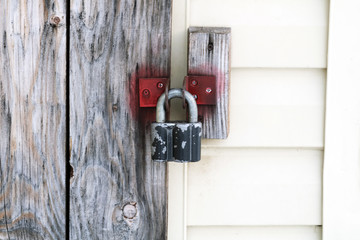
pixel 176 171
pixel 32 119
pixel 209 54
pixel 341 208
pixel 117 191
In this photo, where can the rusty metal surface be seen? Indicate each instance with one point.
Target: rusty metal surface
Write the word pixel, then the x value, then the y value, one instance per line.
pixel 203 88
pixel 150 89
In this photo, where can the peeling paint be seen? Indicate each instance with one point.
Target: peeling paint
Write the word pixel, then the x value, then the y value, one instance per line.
pixel 158 137
pixel 182 127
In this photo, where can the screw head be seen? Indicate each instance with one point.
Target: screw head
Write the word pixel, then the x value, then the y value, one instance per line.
pixel 55 20
pixel 208 90
pixel 146 92
pixel 195 96
pixel 194 82
pixel 160 85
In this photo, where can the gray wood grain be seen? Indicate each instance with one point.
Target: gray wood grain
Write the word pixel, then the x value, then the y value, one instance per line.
pixel 117 192
pixel 32 119
pixel 209 54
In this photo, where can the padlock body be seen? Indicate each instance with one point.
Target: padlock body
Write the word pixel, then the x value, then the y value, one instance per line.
pixel 187 142
pixel 162 141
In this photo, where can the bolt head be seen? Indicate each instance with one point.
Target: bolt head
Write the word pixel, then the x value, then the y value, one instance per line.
pixel 208 90
pixel 146 92
pixel 194 82
pixel 55 20
pixel 160 85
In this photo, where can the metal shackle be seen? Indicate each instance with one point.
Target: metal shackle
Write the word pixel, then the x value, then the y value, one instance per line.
pixel 177 93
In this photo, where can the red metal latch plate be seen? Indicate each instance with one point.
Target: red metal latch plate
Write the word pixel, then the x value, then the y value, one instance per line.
pixel 203 88
pixel 150 89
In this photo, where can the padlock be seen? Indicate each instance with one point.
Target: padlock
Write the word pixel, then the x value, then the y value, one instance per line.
pixel 176 141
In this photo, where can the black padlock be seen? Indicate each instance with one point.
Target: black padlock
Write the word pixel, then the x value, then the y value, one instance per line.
pixel 187 142
pixel 178 141
pixel 162 141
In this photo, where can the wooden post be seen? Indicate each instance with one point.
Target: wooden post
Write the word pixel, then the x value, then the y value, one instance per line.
pixel 32 119
pixel 117 191
pixel 209 54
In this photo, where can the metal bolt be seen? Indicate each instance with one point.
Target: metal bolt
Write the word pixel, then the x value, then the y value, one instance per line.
pixel 195 96
pixel 160 85
pixel 194 82
pixel 55 20
pixel 208 90
pixel 146 92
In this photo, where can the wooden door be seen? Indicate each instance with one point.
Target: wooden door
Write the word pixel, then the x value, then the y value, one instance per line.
pixel 116 191
pixel 32 119
pixel 69 73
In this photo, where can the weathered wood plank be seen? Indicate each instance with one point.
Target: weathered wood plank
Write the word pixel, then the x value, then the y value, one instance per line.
pixel 32 119
pixel 209 54
pixel 117 192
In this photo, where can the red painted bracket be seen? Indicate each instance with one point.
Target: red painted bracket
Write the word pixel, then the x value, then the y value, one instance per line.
pixel 150 89
pixel 203 88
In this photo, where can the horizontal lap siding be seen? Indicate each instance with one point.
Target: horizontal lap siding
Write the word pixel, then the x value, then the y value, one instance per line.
pixel 255 233
pixel 265 180
pixel 275 108
pixel 255 187
pixel 269 33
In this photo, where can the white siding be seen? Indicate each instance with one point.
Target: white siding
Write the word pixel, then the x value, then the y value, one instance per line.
pixel 265 180
pixel 269 33
pixel 255 187
pixel 342 136
pixel 275 108
pixel 254 233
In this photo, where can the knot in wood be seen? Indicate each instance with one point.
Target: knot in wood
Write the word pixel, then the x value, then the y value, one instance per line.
pixel 130 210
